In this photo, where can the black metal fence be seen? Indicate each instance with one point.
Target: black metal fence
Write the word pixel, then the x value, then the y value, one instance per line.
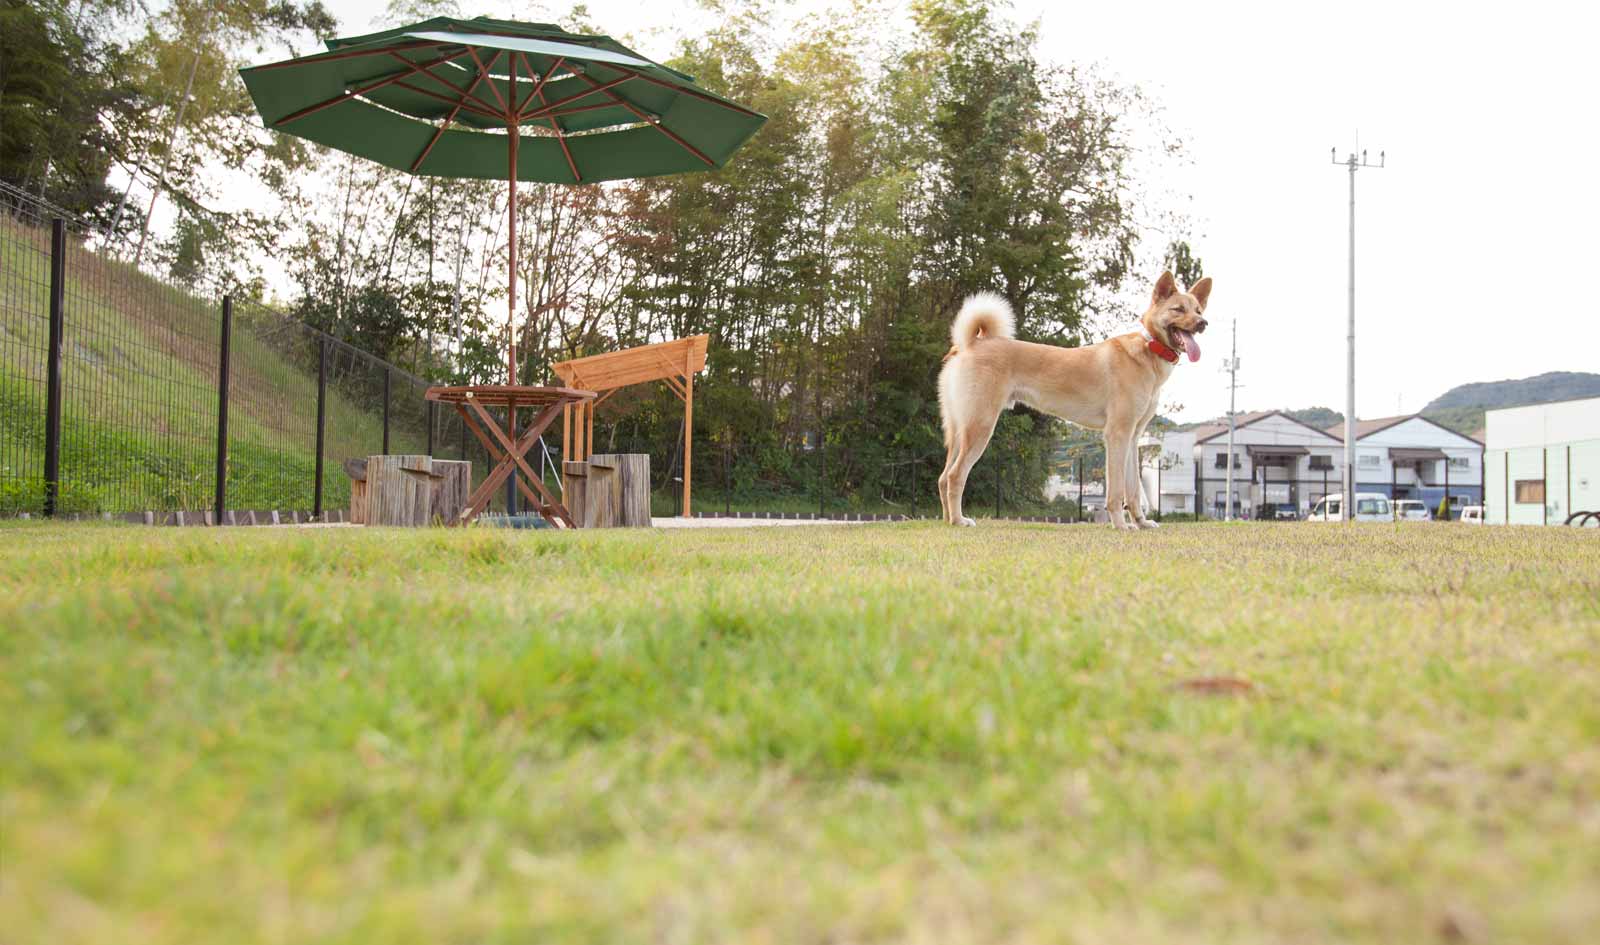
pixel 122 393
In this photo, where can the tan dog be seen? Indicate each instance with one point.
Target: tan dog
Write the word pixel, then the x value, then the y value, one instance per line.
pixel 1111 386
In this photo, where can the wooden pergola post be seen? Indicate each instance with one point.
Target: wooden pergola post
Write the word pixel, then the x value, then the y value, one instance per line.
pixel 673 362
pixel 688 437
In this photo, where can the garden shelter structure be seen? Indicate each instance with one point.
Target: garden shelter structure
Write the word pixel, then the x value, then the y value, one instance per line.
pixel 673 362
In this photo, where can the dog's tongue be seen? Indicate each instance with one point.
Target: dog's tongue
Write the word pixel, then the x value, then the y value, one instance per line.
pixel 1191 347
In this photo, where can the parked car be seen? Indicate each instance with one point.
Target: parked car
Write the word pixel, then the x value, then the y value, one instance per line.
pixel 1370 507
pixel 1472 515
pixel 1410 510
pixel 1327 509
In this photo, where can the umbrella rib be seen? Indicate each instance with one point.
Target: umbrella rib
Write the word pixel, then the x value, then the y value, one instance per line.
pixel 731 106
pixel 464 93
pixel 352 54
pixel 492 60
pixel 656 122
pixel 394 77
pixel 597 87
pixel 483 73
pixel 538 87
pixel 560 137
pixel 577 110
pixel 448 100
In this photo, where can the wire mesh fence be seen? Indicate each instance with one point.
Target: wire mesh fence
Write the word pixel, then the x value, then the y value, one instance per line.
pixel 25 263
pixel 141 392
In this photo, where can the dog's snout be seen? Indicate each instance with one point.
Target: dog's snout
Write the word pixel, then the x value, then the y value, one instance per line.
pixel 1202 325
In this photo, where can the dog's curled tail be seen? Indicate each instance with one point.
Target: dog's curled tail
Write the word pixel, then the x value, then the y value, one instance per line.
pixel 985 314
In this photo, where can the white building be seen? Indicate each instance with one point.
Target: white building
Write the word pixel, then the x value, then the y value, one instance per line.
pixel 1542 462
pixel 1092 493
pixel 1279 464
pixel 1412 457
pixel 1167 469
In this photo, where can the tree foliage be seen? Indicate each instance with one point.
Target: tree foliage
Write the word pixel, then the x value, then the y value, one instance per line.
pixel 908 160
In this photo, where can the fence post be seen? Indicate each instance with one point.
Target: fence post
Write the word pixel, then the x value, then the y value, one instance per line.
pixel 913 486
pixel 222 407
pixel 52 408
pixel 1080 490
pixel 322 422
pixel 822 476
pixel 999 470
pixel 386 408
pixel 431 405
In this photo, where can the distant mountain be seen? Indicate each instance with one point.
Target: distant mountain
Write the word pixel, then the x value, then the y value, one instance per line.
pixel 1462 408
pixel 1543 389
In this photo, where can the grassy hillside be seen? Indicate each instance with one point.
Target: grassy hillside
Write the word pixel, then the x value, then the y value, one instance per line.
pixel 139 406
pixel 882 733
pixel 1541 389
pixel 1462 408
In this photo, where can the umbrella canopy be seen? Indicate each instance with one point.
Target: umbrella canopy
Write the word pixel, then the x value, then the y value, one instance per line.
pixel 501 100
pixel 437 98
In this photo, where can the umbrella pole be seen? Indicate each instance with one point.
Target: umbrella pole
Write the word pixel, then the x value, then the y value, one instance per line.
pixel 511 315
pixel 511 294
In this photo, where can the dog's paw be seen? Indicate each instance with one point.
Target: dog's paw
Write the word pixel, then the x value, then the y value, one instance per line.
pixel 965 522
pixel 1146 523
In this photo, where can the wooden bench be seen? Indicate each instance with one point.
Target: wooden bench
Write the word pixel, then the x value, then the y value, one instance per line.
pixel 407 490
pixel 609 490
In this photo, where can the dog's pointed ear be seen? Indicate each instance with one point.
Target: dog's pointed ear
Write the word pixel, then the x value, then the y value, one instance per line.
pixel 1201 291
pixel 1165 287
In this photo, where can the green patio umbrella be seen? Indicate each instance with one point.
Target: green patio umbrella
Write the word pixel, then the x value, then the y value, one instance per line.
pixel 497 99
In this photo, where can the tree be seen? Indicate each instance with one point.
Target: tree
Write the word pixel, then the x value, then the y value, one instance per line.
pixel 1181 262
pixel 56 64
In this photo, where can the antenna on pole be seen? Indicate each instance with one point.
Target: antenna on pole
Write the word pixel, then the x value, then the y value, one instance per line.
pixel 1355 161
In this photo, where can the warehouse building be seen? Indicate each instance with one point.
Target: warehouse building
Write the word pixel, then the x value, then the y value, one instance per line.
pixel 1542 462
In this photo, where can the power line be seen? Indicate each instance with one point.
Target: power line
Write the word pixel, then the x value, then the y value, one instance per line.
pixel 1354 161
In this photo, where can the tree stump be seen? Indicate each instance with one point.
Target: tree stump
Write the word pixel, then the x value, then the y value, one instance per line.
pixel 617 494
pixel 399 490
pixel 356 469
pixel 575 477
pixel 452 485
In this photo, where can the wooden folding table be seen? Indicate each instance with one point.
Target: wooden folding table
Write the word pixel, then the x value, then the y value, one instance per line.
pixel 505 445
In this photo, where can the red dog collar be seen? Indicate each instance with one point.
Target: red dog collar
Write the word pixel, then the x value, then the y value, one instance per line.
pixel 1157 348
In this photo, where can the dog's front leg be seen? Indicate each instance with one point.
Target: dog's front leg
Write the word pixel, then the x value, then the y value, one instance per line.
pixel 1118 440
pixel 1136 496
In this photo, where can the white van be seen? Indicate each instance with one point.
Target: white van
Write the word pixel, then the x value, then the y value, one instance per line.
pixel 1472 515
pixel 1370 507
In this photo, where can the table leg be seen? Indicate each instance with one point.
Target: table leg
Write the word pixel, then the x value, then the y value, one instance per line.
pixel 496 454
pixel 517 454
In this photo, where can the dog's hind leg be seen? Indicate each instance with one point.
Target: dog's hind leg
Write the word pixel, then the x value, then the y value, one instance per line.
pixel 1136 496
pixel 950 455
pixel 970 442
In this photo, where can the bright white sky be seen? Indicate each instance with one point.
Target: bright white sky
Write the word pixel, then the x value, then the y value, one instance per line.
pixel 1471 243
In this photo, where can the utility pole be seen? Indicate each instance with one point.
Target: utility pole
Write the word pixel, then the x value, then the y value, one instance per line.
pixel 1355 161
pixel 1231 365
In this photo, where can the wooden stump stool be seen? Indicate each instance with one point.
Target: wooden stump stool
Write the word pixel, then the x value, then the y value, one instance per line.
pixel 609 490
pixel 408 490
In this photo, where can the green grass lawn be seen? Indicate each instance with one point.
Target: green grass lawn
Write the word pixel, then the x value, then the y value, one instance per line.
pixel 880 733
